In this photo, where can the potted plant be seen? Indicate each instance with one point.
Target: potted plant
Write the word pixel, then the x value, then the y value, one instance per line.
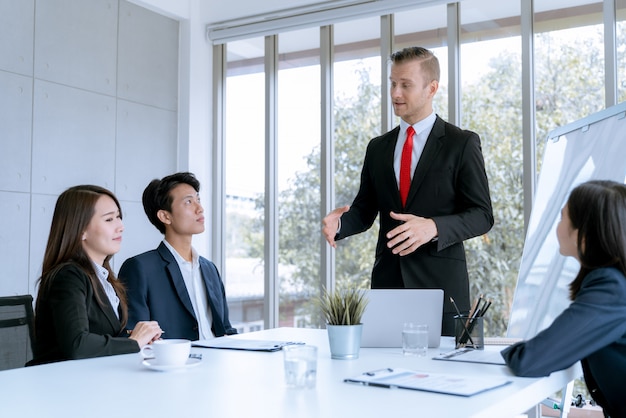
pixel 343 310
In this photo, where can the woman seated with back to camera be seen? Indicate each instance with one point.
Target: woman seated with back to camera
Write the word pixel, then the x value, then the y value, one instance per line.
pixel 81 307
pixel 592 329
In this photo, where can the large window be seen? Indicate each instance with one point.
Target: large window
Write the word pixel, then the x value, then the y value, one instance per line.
pixel 569 63
pixel 357 119
pixel 568 84
pixel 491 104
pixel 244 174
pixel 427 27
pixel 298 173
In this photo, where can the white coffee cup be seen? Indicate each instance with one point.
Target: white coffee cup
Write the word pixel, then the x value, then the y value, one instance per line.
pixel 168 352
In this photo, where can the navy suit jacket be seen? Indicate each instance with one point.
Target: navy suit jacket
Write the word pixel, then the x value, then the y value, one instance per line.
pixel 593 330
pixel 450 186
pixel 156 292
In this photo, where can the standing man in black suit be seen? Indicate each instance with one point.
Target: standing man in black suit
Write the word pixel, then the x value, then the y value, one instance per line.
pixel 431 195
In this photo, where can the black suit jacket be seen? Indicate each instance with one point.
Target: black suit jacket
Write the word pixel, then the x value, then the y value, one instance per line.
pixel 450 186
pixel 156 292
pixel 70 324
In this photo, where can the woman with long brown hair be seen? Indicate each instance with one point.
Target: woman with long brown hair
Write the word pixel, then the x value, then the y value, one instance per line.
pixel 81 308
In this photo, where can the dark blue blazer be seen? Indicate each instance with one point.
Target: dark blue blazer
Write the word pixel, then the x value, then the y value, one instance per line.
pixel 156 291
pixel 593 330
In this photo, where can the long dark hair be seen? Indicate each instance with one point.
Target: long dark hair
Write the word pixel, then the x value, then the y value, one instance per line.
pixel 73 211
pixel 597 208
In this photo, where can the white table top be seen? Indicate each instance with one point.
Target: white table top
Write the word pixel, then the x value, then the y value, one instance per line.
pixel 239 384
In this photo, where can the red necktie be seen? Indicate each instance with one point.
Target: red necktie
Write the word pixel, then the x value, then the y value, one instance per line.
pixel 405 165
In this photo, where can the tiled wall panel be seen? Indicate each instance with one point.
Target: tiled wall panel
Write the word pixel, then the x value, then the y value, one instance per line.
pixel 16 93
pixel 148 58
pixel 16 35
pixel 73 138
pixel 76 43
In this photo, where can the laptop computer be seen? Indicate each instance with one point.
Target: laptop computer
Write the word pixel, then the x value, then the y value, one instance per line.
pixel 389 309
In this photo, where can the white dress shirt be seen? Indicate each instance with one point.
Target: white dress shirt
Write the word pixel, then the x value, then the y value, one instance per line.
pixel 422 130
pixel 103 275
pixel 196 289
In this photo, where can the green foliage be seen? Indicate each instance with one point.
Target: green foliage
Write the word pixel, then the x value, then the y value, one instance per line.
pixel 491 107
pixel 357 120
pixel 247 241
pixel 569 86
pixel 343 307
pixel 300 239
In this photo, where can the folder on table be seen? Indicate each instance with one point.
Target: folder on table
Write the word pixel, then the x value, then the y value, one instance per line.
pixel 243 344
pixel 449 384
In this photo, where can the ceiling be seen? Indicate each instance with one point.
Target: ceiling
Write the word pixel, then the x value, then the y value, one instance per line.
pixel 220 10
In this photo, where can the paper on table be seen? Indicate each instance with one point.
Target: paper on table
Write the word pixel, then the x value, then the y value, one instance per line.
pixel 470 355
pixel 501 340
pixel 449 384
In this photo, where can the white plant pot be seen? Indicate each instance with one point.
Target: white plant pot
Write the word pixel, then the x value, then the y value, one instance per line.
pixel 345 341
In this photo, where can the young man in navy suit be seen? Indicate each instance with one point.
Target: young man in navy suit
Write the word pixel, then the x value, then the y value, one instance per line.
pixel 444 201
pixel 173 284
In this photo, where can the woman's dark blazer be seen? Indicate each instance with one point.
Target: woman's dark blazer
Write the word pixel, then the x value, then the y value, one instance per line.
pixel 156 292
pixel 70 324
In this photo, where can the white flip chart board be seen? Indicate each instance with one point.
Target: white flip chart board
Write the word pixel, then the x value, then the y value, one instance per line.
pixel 591 148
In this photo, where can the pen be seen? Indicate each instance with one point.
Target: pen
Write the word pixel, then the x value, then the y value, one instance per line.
pixel 373 373
pixel 456 308
pixel 130 331
pixel 478 312
pixel 455 353
pixel 464 326
pixel 485 307
pixel 471 314
pixel 475 311
pixel 550 403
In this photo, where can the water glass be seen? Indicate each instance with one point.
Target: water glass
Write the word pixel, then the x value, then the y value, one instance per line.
pixel 415 339
pixel 300 365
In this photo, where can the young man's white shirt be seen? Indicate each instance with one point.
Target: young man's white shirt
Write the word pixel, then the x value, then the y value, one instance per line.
pixel 196 289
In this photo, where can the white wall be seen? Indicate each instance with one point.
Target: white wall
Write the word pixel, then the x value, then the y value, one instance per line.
pixel 97 91
pixel 195 87
pixel 88 94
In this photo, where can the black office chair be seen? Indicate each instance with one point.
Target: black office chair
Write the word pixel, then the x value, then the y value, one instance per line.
pixel 17 331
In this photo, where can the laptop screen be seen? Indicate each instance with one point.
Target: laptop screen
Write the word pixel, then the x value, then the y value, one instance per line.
pixel 389 309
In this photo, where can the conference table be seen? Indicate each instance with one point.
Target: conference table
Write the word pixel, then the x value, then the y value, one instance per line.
pixel 233 383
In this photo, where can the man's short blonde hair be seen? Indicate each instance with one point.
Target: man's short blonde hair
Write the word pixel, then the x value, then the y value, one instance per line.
pixel 430 63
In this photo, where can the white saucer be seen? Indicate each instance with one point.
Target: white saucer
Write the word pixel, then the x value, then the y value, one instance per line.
pixel 151 364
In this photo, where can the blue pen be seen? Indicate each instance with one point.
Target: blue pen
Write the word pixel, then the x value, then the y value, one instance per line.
pixel 551 404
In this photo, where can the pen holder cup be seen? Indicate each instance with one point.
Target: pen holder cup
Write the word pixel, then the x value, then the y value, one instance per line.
pixel 469 332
